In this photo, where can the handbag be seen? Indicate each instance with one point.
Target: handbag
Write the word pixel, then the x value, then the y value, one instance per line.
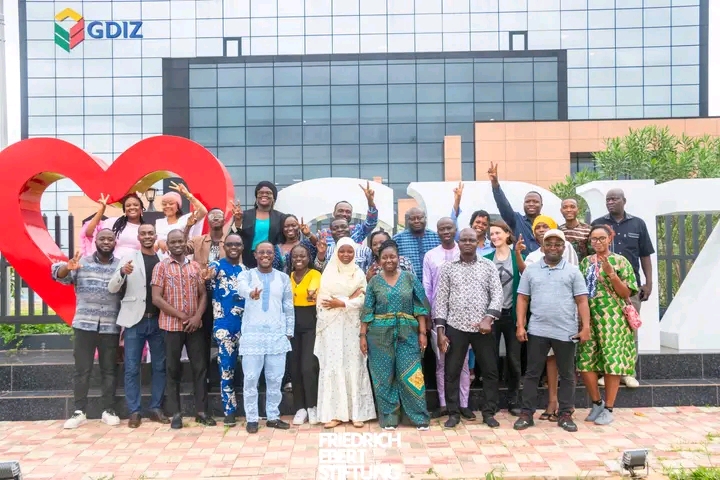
pixel 631 314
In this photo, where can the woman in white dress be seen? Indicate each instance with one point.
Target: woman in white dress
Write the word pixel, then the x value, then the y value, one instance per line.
pixel 174 217
pixel 345 392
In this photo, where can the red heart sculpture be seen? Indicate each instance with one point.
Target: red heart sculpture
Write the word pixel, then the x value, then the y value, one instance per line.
pixel 29 166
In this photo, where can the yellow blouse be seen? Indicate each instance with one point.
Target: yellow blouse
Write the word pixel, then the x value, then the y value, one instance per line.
pixel 310 282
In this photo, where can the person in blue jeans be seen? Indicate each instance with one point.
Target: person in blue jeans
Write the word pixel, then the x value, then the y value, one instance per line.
pixel 139 317
pixel 227 307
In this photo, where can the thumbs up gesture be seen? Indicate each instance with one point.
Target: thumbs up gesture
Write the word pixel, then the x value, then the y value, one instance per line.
pixel 128 268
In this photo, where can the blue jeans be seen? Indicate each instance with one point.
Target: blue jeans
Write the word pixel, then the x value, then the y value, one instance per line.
pixel 147 330
pixel 274 371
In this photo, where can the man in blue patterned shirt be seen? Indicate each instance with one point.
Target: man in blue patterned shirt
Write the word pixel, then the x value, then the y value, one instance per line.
pixel 94 324
pixel 416 240
pixel 344 210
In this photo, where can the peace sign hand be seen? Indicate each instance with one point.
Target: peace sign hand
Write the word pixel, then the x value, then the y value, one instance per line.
pixel 192 219
pixel 236 210
pixel 255 294
pixel 74 263
pixel 207 273
pixel 104 199
pixel 321 246
pixel 458 191
pixel 304 228
pixel 520 244
pixel 492 172
pixel 606 266
pixel 180 188
pixel 369 193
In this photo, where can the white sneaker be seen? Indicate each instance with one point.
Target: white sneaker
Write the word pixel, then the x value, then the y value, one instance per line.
pixel 76 420
pixel 109 417
pixel 312 416
pixel 630 381
pixel 601 381
pixel 389 429
pixel 300 417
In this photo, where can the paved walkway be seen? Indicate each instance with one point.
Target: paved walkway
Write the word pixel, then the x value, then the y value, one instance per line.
pixel 677 437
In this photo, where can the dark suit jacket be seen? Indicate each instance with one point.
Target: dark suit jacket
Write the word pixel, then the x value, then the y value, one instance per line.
pixel 277 219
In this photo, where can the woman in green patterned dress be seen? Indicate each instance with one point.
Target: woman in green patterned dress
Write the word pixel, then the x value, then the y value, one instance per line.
pixel 611 349
pixel 394 336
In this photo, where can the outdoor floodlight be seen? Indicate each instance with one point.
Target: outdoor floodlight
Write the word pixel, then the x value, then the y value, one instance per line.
pixel 633 460
pixel 10 471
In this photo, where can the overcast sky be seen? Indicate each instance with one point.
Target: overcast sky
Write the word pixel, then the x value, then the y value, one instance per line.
pixel 13 66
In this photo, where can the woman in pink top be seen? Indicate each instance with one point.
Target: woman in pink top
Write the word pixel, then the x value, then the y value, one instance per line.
pixel 125 227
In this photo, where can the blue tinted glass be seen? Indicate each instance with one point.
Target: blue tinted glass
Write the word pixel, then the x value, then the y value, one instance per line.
pixel 346 171
pixel 203 117
pixel 518 111
pixel 372 170
pixel 288 76
pixel 206 97
pixel 203 77
pixel 288 155
pixel 258 76
pixel 345 154
pixel 430 152
pixel 316 135
pixel 373 113
pixel 431 172
pixel 403 173
pixel 232 155
pixel 288 96
pixel 288 136
pixel 373 74
pixel 374 154
pixel 231 77
pixel 489 111
pixel 459 92
pixel 344 74
pixel 401 93
pixel 344 115
pixel 431 93
pixel 545 71
pixel 231 117
pixel 519 92
pixel 546 111
pixel 316 115
pixel 204 136
pixel 373 133
pixel 345 134
pixel 402 133
pixel 259 136
pixel 256 97
pixel 430 73
pixel 546 91
pixel 231 136
pixel 370 94
pixel 401 113
pixel 488 72
pixel 316 75
pixel 259 155
pixel 518 71
pixel 288 116
pixel 231 97
pixel 430 132
pixel 489 92
pixel 259 116
pixel 404 73
pixel 316 95
pixel 316 171
pixel 403 153
pixel 458 72
pixel 317 155
pixel 460 112
pixel 465 130
pixel 344 95
pixel 431 112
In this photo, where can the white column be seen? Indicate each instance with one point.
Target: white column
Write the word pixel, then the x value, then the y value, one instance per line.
pixel 3 81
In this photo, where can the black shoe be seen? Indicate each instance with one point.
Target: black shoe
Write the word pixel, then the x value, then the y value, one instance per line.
pixel 157 415
pixel 452 421
pixel 230 420
pixel 467 413
pixel 176 421
pixel 279 424
pixel 135 420
pixel 251 427
pixel 566 422
pixel 524 421
pixel 514 410
pixel 491 422
pixel 439 412
pixel 205 419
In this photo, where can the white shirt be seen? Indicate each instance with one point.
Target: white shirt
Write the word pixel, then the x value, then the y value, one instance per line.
pixel 162 228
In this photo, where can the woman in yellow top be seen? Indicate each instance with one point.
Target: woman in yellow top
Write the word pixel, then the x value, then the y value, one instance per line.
pixel 304 367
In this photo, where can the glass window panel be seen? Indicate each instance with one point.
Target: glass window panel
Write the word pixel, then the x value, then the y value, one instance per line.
pixel 374 154
pixel 316 171
pixel 430 153
pixel 657 75
pixel 465 130
pixel 206 97
pixel 232 155
pixel 629 76
pixel 259 156
pixel 288 174
pixel 601 19
pixel 519 92
pixel 203 117
pixel 288 76
pixel 545 71
pixel 317 155
pixel 488 72
pixel 345 134
pixel 347 171
pixel 257 97
pixel 288 156
pixel 259 135
pixel 316 75
pixel 403 153
pixel 468 169
pixel 686 75
pixel 546 111
pixel 488 92
pixel 657 56
pixel 431 93
pixel 431 172
pixel 258 76
pixel 345 95
pixel 599 97
pixel 344 74
pixel 656 37
pixel 458 92
pixel 288 96
pixel 518 71
pixel 489 111
pixel 546 91
pixel 231 117
pixel 629 57
pixel 288 116
pixel 468 155
pixel 203 78
pixel 316 95
pixel 403 172
pixel 685 94
pixel 345 154
pixel 430 73
pixel 373 74
pixel 231 136
pixel 373 170
pixel 458 72
pixel 403 113
pixel 402 133
pixel 373 134
pixel 316 115
pixel 370 94
pixel 518 111
pixel 656 17
pixel 401 93
pixel 685 55
pixel 259 116
pixel 685 16
pixel 601 77
pixel 231 77
pixel 373 113
pixel 204 136
pixel 601 38
pixel 430 132
pixel 657 111
pixel 686 35
pixel 629 95
pixel 460 112
pixel 288 136
pixel 431 112
pixel 316 135
pixel 404 73
pixel 686 110
pixel 344 115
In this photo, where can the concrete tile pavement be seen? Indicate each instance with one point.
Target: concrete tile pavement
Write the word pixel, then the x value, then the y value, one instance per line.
pixel 682 437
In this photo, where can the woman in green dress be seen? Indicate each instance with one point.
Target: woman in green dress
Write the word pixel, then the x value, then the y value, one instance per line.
pixel 611 349
pixel 394 336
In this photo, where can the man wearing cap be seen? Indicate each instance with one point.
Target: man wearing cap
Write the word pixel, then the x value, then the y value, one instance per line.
pixel 558 293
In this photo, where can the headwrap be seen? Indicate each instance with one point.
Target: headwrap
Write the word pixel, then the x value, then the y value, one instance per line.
pixel 173 196
pixel 269 185
pixel 546 220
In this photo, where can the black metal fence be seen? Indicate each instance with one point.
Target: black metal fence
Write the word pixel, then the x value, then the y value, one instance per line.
pixel 680 239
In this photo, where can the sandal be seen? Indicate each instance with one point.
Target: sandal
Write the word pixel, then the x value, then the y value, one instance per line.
pixel 332 424
pixel 551 416
pixel 358 424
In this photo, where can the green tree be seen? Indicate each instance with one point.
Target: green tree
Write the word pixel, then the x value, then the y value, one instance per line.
pixel 653 153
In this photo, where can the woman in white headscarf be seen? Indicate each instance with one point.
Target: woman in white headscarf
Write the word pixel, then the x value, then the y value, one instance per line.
pixel 344 389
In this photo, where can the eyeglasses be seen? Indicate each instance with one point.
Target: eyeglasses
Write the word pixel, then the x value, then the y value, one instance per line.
pixel 554 245
pixel 598 239
pixel 215 215
pixel 264 194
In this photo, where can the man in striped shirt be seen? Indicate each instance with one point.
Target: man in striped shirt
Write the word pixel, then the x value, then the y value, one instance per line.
pixel 576 232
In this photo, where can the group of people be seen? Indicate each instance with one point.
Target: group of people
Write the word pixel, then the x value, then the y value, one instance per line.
pixel 351 322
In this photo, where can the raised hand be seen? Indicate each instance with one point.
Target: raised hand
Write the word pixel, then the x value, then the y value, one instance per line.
pixel 458 191
pixel 304 228
pixel 520 244
pixel 255 294
pixel 128 268
pixel 207 273
pixel 180 188
pixel 492 172
pixel 192 220
pixel 606 267
pixel 236 210
pixel 74 263
pixel 369 193
pixel 321 246
pixel 104 199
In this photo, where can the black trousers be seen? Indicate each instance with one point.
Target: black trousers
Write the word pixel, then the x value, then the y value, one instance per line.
pixel 197 349
pixel 84 346
pixel 505 327
pixel 538 349
pixel 486 355
pixel 304 366
pixel 207 328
